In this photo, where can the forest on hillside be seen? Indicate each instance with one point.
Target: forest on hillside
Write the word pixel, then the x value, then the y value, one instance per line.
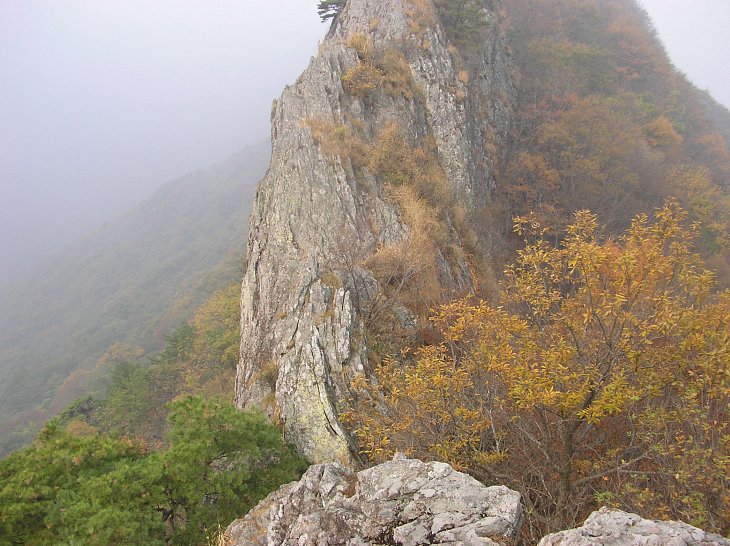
pixel 131 282
pixel 159 453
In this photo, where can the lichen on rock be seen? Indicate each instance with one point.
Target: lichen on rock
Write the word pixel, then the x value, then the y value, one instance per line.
pixel 610 527
pixel 410 503
pixel 326 208
pixel 404 502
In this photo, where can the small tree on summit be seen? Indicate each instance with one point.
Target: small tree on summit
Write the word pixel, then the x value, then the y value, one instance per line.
pixel 329 9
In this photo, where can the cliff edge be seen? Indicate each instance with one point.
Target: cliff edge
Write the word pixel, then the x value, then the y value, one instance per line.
pixel 381 155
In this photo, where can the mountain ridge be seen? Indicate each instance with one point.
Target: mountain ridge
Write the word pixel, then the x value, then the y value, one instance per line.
pixel 412 164
pixel 130 280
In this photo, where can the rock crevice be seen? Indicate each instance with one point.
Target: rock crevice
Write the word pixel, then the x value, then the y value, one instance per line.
pixel 320 214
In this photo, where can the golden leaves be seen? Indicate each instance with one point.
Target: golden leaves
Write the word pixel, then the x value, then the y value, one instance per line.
pixel 607 361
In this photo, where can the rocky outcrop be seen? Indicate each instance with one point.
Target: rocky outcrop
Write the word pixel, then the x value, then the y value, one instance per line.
pixel 608 527
pixel 407 502
pixel 321 211
pixel 400 502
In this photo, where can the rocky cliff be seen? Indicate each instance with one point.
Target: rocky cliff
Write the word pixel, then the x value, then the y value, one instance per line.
pixel 381 155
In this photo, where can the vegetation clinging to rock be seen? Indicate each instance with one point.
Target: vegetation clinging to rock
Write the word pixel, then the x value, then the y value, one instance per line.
pixel 463 20
pixel 329 9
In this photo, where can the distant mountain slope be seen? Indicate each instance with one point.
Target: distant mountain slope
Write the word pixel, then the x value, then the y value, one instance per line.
pixel 131 280
pixel 719 115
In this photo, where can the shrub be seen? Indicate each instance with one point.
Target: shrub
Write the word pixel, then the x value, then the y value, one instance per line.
pixel 94 489
pixel 385 69
pixel 362 80
pixel 603 373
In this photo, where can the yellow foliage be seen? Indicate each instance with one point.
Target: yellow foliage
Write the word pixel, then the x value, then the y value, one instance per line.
pixel 421 17
pixel 410 272
pixel 605 370
pixel 217 327
pixel 396 162
pixel 362 79
pixel 362 44
pixel 415 182
pixel 78 427
pixel 662 134
pixel 410 268
pixel 336 140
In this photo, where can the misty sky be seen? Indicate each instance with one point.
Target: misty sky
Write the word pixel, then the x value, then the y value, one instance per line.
pixel 696 36
pixel 102 101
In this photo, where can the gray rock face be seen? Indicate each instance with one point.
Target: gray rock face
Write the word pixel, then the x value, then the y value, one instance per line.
pixel 400 502
pixel 609 527
pixel 318 217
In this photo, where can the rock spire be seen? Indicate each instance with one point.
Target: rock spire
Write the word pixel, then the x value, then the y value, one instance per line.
pixel 387 100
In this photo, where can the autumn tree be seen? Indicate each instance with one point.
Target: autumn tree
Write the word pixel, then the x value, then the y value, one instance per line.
pixel 603 121
pixel 603 376
pixel 217 328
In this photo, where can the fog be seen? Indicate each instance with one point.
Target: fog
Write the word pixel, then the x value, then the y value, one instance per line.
pixel 695 34
pixel 102 101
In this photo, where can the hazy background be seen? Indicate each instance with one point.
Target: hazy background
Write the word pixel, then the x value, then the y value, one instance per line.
pixel 102 101
pixel 695 34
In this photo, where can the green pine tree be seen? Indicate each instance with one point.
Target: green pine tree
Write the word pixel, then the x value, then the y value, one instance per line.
pixel 73 486
pixel 329 9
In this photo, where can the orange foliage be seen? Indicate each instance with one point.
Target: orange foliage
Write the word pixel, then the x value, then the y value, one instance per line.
pixel 603 376
pixel 607 120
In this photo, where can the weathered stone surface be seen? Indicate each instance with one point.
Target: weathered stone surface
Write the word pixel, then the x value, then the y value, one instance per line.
pixel 400 502
pixel 317 217
pixel 411 503
pixel 608 527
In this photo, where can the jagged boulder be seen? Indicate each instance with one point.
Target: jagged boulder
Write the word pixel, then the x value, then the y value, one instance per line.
pixel 407 502
pixel 404 502
pixel 609 527
pixel 319 215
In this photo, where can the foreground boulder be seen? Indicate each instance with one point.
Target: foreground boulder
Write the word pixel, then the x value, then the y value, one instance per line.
pixel 609 527
pixel 404 502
